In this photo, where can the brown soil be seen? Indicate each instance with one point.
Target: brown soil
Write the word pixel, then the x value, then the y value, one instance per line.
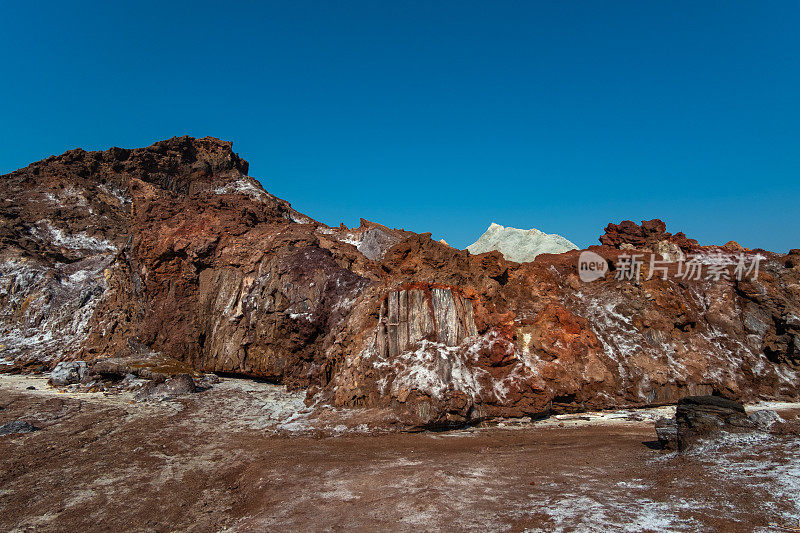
pixel 103 463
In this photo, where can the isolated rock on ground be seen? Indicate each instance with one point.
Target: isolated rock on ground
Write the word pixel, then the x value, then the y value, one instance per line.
pixel 17 426
pixel 153 367
pixel 765 419
pixel 701 418
pixel 210 379
pixel 171 388
pixel 704 418
pixel 68 372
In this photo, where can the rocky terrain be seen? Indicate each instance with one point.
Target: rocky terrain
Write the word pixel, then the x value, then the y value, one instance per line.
pixel 219 460
pixel 169 261
pixel 519 245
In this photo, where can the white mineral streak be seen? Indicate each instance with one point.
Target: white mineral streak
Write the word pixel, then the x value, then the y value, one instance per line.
pixel 45 312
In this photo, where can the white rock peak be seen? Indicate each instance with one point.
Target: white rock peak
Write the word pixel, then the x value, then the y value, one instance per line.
pixel 520 245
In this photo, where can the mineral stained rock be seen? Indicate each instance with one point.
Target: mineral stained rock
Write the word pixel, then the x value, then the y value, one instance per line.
pixel 519 245
pixel 764 419
pixel 704 419
pixel 170 259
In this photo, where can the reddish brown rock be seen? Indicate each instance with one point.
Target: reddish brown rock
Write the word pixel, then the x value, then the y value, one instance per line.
pixel 173 253
pixel 650 235
pixel 793 258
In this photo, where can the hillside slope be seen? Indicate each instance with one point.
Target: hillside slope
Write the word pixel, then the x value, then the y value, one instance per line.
pixel 172 251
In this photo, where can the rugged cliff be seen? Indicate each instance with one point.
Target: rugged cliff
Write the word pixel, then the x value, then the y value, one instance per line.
pixel 172 251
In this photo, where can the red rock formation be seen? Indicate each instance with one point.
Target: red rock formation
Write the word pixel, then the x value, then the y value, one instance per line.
pixel 650 235
pixel 733 246
pixel 173 251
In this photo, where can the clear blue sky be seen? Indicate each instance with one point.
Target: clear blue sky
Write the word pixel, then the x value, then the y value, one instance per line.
pixel 439 116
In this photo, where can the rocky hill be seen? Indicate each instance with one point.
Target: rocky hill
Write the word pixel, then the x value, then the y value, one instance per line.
pixel 519 245
pixel 173 253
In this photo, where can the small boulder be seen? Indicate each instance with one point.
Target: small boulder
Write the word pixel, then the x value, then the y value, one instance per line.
pixel 17 426
pixel 701 418
pixel 764 419
pixel 793 258
pixel 667 431
pixel 68 372
pixel 180 384
pixel 210 379
pixel 172 387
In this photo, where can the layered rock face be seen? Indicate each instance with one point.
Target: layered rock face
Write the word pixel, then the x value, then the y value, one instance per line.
pixel 519 245
pixel 173 252
pixel 168 249
pixel 409 316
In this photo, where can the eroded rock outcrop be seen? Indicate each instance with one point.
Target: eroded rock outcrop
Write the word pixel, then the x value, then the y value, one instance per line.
pixel 171 253
pixel 651 235
pixel 408 316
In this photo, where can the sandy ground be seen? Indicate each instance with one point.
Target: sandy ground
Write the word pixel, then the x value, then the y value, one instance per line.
pixel 244 456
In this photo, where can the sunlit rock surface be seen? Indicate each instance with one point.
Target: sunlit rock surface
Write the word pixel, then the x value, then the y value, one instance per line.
pixel 172 252
pixel 520 245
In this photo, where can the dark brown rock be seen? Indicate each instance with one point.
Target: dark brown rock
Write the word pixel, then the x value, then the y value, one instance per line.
pixel 733 246
pixel 16 427
pixel 793 258
pixel 667 433
pixel 700 418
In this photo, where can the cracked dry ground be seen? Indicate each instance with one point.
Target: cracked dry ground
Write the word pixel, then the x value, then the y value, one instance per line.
pixel 104 463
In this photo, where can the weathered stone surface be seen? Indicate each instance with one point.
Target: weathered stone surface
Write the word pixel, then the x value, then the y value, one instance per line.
pixel 68 372
pixel 408 316
pixel 667 432
pixel 701 418
pixel 169 260
pixel 705 418
pixel 733 246
pixel 16 427
pixel 793 259
pixel 171 388
pixel 764 419
pixel 154 367
pixel 650 235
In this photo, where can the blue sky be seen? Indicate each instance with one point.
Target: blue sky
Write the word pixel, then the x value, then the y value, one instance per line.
pixel 439 116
